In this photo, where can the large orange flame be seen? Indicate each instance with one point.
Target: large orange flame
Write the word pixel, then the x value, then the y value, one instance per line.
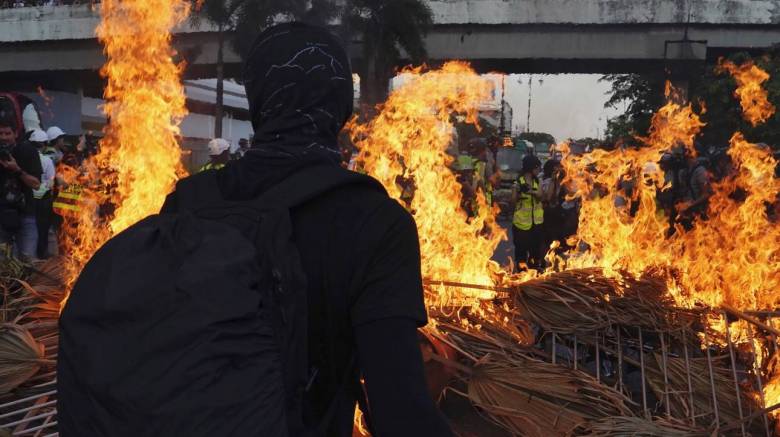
pixel 618 241
pixel 408 141
pixel 752 96
pixel 731 258
pixel 139 158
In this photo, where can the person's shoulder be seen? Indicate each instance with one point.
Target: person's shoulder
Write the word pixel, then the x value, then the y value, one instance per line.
pixel 366 204
pixel 365 195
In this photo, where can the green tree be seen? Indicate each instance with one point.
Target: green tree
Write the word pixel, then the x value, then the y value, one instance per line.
pixel 387 27
pixel 242 21
pixel 642 96
pixel 723 113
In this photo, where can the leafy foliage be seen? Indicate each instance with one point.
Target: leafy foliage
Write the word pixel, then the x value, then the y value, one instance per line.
pixel 723 111
pixel 387 28
pixel 642 95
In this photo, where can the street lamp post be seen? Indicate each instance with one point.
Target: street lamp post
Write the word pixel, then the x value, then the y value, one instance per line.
pixel 530 89
pixel 502 125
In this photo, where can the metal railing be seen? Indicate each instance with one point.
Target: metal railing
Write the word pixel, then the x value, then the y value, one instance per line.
pixel 608 355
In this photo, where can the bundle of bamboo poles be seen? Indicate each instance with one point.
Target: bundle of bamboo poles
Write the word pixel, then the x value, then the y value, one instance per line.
pixel 29 308
pixel 524 394
pixel 584 301
pixel 511 375
pixel 506 363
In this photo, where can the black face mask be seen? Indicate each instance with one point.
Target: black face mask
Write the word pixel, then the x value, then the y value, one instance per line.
pixel 299 85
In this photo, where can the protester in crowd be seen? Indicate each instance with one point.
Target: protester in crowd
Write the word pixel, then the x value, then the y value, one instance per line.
pixel 690 188
pixel 528 220
pixel 700 189
pixel 693 187
pixel 359 248
pixel 552 197
pixel 20 174
pixel 219 155
pixel 243 146
pixel 43 194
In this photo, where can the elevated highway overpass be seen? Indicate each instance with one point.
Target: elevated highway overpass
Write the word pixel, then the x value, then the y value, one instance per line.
pixel 538 36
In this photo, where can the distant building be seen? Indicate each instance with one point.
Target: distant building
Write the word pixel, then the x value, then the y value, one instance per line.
pixel 79 113
pixel 492 110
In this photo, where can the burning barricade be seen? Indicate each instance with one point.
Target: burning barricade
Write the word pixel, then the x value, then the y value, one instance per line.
pixel 641 331
pixel 629 338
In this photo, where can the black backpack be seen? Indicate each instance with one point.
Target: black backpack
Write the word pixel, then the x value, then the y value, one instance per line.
pixel 195 323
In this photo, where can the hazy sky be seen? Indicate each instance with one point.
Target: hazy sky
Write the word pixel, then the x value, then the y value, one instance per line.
pixel 564 105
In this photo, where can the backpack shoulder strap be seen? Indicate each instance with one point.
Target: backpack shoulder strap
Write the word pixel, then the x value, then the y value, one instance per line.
pixel 197 190
pixel 311 182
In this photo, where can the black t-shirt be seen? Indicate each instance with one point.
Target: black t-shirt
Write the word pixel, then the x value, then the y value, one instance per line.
pixel 362 259
pixel 360 252
pixel 11 186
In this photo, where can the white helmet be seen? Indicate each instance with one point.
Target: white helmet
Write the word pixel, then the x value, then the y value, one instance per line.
pixel 38 136
pixel 217 146
pixel 54 132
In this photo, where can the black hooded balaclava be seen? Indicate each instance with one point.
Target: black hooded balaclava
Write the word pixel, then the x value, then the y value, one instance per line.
pixel 299 85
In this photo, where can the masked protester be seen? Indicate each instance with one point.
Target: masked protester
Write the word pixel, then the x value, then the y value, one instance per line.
pixel 358 247
pixel 20 174
pixel 688 198
pixel 271 286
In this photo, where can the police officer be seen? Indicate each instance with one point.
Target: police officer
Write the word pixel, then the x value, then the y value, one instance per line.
pixel 56 146
pixel 528 220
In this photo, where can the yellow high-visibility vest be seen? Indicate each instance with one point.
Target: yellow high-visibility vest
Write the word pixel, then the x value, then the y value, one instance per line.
pixel 480 176
pixel 528 211
pixel 68 201
pixel 464 162
pixel 210 166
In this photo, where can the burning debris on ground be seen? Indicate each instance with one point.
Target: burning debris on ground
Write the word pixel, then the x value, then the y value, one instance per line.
pixel 638 312
pixel 654 318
